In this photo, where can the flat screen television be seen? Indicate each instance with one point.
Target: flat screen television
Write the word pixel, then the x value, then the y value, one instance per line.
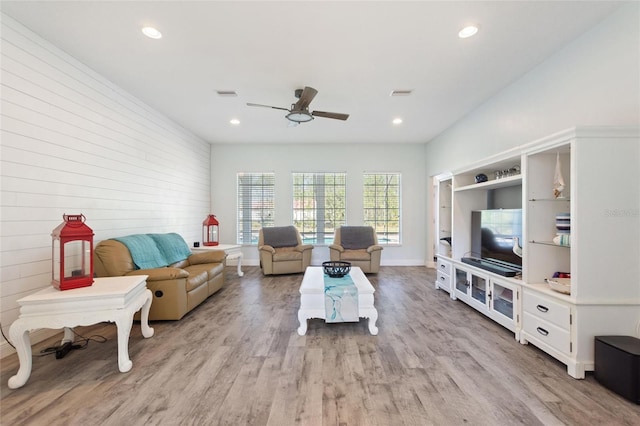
pixel 492 235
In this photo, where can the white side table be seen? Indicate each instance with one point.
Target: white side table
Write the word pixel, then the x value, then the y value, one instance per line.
pixel 113 299
pixel 233 251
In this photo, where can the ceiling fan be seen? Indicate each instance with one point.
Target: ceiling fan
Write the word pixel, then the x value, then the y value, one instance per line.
pixel 299 111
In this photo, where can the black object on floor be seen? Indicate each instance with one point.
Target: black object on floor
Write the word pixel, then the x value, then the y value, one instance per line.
pixel 617 365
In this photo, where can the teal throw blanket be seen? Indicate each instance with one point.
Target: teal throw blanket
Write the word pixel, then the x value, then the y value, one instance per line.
pixel 144 251
pixel 150 251
pixel 172 246
pixel 340 299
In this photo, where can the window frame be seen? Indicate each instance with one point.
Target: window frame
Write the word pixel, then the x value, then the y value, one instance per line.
pixel 380 217
pixel 265 212
pixel 308 205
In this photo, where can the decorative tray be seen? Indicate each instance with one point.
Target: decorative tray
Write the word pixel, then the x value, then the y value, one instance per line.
pixel 561 285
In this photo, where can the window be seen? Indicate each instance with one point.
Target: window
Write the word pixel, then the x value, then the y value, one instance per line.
pixel 319 205
pixel 255 205
pixel 382 205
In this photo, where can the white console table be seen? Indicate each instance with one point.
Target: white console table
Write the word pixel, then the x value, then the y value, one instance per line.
pixel 233 251
pixel 113 299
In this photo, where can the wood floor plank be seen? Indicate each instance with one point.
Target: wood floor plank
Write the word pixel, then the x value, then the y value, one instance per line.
pixel 237 360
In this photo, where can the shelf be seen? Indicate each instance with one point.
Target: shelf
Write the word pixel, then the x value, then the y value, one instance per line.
pixel 550 199
pixel 494 184
pixel 548 243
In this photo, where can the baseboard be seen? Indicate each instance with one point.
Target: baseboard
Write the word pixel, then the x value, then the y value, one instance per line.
pixel 35 336
pixel 393 262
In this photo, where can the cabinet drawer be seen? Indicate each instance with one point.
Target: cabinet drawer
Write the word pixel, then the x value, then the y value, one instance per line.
pixel 443 280
pixel 444 267
pixel 546 332
pixel 547 309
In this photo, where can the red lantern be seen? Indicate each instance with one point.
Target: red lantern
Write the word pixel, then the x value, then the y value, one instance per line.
pixel 72 249
pixel 210 233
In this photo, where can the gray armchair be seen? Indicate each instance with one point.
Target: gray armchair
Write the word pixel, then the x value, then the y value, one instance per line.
pixel 358 245
pixel 282 252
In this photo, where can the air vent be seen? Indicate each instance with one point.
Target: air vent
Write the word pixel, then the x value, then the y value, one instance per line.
pixel 227 93
pixel 400 92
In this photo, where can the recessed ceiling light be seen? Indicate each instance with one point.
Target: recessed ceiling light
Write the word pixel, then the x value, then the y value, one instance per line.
pixel 234 121
pixel 397 121
pixel 400 92
pixel 151 32
pixel 228 93
pixel 468 31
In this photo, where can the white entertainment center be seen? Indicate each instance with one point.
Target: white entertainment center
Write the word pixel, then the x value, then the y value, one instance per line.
pixel 601 170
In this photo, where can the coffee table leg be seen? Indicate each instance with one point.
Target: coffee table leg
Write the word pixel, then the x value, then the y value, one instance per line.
pixel 302 317
pixel 124 321
pixel 20 338
pixel 372 314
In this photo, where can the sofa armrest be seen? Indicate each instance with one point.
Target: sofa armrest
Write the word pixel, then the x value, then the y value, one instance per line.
pixel 267 248
pixel 160 274
pixel 211 256
pixel 371 249
pixel 336 247
pixel 303 247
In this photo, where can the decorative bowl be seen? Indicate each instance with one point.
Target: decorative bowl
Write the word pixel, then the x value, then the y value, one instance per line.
pixel 336 268
pixel 561 285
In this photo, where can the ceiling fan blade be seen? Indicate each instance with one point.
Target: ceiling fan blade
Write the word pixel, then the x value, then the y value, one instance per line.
pixel 305 99
pixel 325 114
pixel 266 106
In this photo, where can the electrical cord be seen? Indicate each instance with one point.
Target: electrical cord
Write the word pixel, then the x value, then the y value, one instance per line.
pixel 80 343
pixel 5 337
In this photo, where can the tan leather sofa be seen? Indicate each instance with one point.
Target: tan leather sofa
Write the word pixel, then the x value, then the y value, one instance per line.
pixel 358 245
pixel 177 288
pixel 282 252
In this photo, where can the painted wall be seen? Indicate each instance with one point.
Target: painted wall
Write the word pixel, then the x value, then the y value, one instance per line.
pixel 72 142
pixel 227 160
pixel 595 80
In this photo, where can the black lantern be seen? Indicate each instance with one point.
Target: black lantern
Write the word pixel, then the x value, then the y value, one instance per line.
pixel 210 232
pixel 72 249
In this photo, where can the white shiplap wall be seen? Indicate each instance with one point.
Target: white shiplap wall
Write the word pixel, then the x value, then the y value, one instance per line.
pixel 73 142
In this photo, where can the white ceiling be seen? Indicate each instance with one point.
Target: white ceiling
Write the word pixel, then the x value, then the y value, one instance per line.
pixel 353 52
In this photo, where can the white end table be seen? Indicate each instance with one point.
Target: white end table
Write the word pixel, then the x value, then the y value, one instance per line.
pixel 233 251
pixel 312 297
pixel 113 299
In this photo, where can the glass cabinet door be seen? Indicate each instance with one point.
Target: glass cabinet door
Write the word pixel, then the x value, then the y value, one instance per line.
pixel 462 284
pixel 479 288
pixel 503 300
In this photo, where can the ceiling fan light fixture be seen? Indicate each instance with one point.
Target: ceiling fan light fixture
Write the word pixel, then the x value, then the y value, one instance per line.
pixel 468 31
pixel 299 116
pixel 151 32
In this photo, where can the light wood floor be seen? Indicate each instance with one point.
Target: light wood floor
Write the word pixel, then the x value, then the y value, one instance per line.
pixel 237 360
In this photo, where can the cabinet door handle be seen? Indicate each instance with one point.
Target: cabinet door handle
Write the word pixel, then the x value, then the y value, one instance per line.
pixel 542 308
pixel 442 266
pixel 441 278
pixel 542 331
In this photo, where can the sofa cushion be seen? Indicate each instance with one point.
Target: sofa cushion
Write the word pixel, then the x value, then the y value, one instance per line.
pixel 287 253
pixel 198 275
pixel 280 236
pixel 356 237
pixel 355 255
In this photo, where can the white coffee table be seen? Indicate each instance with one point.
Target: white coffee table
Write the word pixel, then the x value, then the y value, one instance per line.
pixel 312 297
pixel 233 251
pixel 114 299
